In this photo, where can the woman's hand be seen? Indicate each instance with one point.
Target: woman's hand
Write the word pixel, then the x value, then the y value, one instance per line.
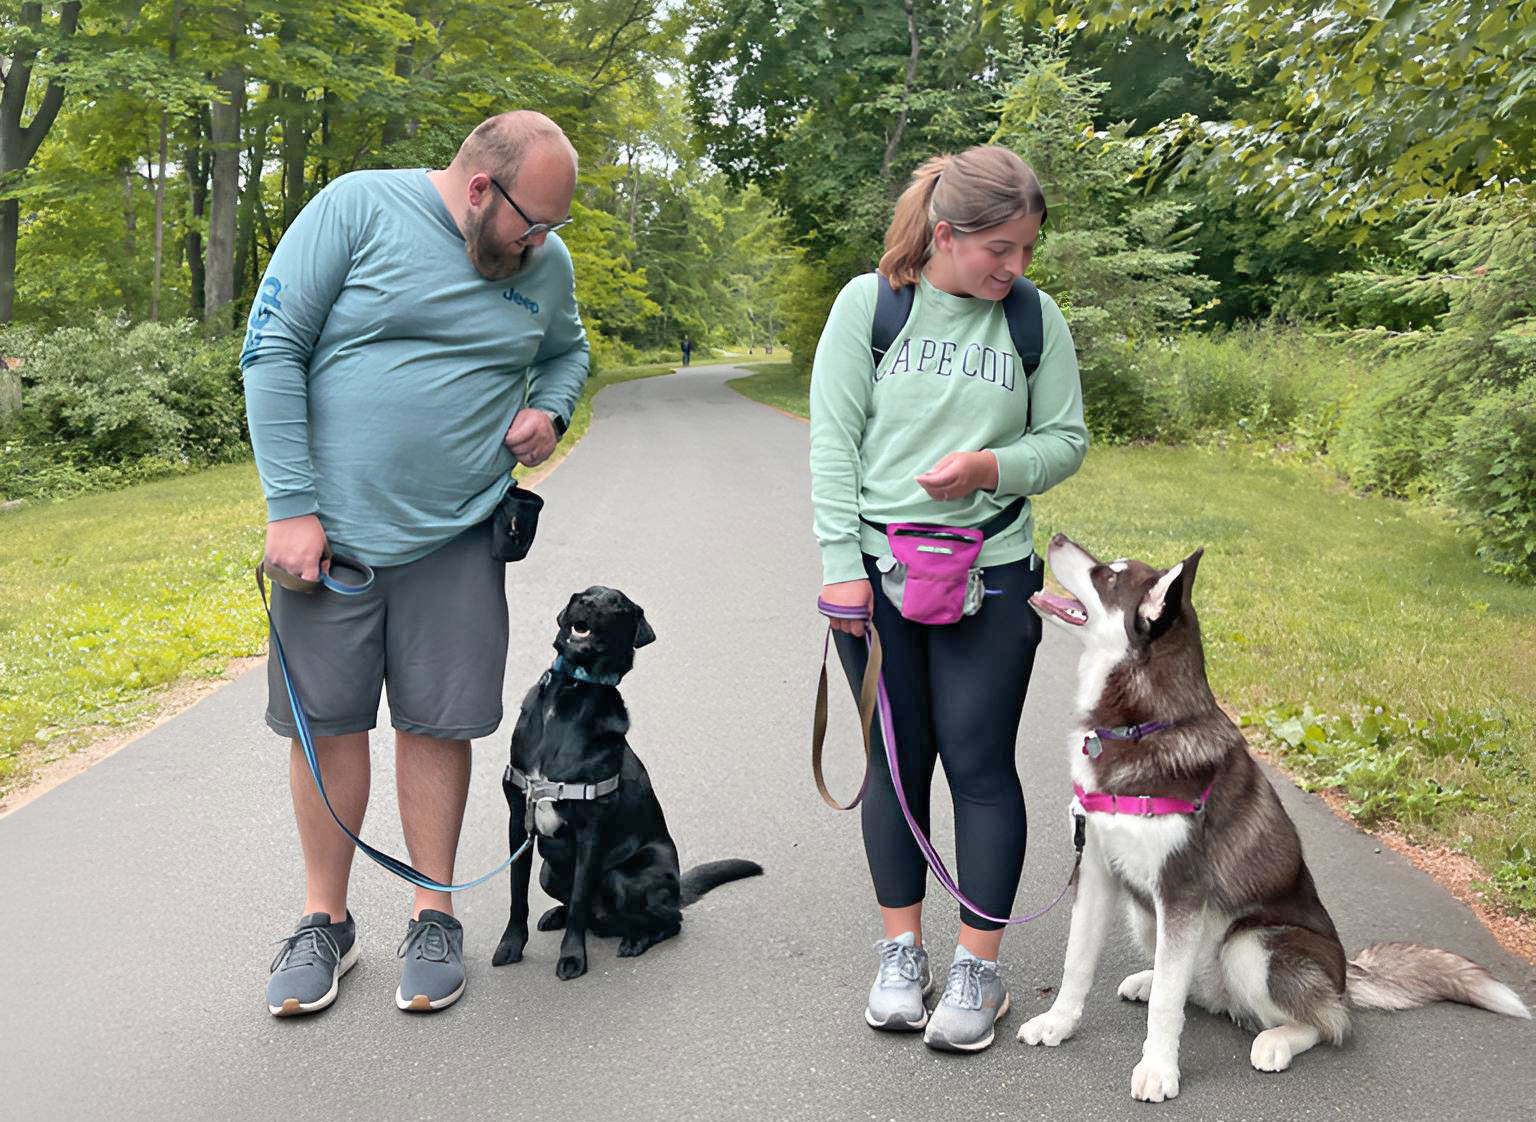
pixel 850 594
pixel 959 474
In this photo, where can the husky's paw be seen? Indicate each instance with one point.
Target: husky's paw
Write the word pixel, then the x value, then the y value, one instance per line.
pixel 1049 1028
pixel 1137 987
pixel 1155 1080
pixel 1271 1050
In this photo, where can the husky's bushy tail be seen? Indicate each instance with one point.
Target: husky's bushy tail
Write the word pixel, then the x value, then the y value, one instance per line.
pixel 1406 975
pixel 712 874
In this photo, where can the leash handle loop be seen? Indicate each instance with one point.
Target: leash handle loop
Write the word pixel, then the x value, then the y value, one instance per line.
pixel 400 868
pixel 882 704
pixel 867 702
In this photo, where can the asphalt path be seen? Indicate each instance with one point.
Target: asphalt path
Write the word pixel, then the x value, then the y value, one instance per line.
pixel 142 897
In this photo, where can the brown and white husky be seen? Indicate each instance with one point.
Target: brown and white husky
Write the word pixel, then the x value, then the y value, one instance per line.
pixel 1220 899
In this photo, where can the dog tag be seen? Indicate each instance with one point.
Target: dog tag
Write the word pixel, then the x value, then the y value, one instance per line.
pixel 528 806
pixel 1093 747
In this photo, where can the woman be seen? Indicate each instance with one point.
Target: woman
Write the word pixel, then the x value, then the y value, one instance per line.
pixel 946 429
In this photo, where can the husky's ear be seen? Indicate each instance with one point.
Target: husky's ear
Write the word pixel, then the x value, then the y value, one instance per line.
pixel 1166 600
pixel 643 632
pixel 1154 605
pixel 1187 578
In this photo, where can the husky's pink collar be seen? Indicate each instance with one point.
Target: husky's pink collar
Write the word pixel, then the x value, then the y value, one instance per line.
pixel 1146 806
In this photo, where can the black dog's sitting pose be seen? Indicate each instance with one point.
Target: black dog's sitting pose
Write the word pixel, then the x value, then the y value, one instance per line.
pixel 607 855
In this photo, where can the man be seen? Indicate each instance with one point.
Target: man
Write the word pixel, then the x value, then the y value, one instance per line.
pixel 414 336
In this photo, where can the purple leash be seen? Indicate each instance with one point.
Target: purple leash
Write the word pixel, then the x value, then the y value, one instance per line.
pixel 935 862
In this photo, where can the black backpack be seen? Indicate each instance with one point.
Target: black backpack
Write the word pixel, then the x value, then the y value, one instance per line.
pixel 1021 307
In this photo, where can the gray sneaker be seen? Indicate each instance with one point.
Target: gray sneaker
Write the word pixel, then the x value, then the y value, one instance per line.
pixel 433 949
pixel 974 999
pixel 896 999
pixel 307 970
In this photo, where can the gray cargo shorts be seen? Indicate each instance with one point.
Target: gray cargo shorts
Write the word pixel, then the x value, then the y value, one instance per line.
pixel 435 630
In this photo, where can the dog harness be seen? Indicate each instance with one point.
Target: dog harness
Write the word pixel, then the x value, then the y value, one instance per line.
pixel 553 791
pixel 1145 806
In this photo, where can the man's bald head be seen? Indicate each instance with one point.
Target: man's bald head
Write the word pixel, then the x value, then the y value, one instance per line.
pixel 500 144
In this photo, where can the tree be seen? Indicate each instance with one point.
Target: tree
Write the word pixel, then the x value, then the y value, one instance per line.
pixel 1379 103
pixel 25 40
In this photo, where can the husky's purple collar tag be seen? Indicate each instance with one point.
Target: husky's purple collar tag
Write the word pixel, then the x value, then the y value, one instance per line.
pixel 1093 743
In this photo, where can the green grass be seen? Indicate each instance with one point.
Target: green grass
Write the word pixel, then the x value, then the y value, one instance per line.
pixel 1317 607
pixel 106 598
pixel 774 383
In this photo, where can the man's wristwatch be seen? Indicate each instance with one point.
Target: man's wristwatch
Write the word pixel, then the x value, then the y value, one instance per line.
pixel 556 420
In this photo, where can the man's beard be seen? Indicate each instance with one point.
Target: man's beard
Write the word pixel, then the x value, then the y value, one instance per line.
pixel 491 260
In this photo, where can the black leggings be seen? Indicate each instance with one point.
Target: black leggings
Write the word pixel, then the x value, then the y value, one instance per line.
pixel 956 693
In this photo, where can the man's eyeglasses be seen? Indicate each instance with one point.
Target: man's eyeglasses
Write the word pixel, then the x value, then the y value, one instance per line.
pixel 535 229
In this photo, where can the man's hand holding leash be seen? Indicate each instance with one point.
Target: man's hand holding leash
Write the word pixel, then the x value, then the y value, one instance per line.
pixel 297 545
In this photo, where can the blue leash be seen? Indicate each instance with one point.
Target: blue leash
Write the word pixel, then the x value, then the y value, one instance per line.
pixel 301 721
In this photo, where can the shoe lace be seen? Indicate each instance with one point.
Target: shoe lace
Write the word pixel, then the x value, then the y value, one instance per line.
pixel 898 963
pixel 303 948
pixel 964 985
pixel 429 940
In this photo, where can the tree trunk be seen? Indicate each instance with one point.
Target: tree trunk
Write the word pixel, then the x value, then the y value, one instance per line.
pixel 295 152
pixel 18 142
pixel 195 160
pixel 10 225
pixel 395 126
pixel 906 92
pixel 130 217
pixel 323 171
pixel 224 139
pixel 154 288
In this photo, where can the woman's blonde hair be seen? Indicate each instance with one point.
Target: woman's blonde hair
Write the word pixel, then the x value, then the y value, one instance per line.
pixel 974 190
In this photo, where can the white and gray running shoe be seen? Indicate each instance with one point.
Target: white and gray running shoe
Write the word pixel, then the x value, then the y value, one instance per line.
pixel 974 999
pixel 896 999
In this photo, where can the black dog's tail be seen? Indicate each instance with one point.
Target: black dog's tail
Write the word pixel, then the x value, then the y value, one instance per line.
pixel 712 874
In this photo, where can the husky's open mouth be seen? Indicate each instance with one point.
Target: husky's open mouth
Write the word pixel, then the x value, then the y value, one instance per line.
pixel 1062 607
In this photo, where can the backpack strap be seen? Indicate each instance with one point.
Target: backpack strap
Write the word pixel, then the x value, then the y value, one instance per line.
pixel 892 307
pixel 1022 308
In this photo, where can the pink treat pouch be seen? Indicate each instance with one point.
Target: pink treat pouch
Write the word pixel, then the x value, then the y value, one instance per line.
pixel 938 561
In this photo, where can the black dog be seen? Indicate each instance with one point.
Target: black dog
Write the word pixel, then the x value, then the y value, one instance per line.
pixel 607 855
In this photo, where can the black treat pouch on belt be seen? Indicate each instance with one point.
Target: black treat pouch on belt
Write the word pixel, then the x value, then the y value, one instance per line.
pixel 514 524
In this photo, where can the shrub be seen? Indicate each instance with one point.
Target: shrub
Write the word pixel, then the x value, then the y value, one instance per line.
pixel 1492 477
pixel 105 403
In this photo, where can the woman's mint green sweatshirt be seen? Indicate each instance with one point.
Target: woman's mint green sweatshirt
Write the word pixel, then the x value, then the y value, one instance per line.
pixel 950 382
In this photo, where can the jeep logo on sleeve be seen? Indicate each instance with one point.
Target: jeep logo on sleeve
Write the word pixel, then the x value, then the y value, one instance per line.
pixel 517 297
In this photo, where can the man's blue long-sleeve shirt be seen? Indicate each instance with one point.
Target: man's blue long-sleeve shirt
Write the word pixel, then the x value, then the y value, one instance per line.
pixel 382 371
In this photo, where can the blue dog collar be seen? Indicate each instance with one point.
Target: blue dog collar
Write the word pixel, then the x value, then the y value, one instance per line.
pixel 581 674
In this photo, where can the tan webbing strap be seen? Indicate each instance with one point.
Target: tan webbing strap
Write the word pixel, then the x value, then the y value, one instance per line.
pixel 868 695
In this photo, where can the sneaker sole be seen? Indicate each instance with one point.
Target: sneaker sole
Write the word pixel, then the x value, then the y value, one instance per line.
pixel 942 1045
pixel 895 1023
pixel 421 1003
pixel 293 1007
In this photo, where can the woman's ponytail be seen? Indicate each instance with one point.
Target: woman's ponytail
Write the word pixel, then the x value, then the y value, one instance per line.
pixel 908 240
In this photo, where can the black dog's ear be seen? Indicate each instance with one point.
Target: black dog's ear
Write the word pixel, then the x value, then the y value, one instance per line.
pixel 643 632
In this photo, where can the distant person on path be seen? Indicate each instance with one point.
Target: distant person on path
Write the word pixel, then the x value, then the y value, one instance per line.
pixel 687 349
pixel 946 429
pixel 414 337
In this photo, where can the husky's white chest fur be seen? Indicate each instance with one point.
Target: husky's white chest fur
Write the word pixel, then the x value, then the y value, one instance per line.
pixel 1133 846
